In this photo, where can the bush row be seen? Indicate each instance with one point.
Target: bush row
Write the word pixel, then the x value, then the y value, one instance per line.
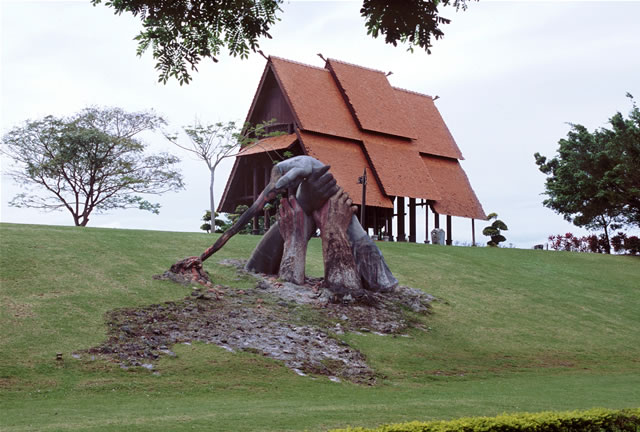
pixel 595 420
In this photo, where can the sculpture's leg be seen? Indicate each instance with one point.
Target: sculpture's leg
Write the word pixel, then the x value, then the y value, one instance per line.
pixel 266 257
pixel 371 265
pixel 340 272
pixel 296 227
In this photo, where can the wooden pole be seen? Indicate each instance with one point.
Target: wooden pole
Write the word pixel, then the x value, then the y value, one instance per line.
pixel 363 181
pixel 436 219
pixel 473 232
pixel 449 233
pixel 256 226
pixel 412 220
pixel 426 222
pixel 400 214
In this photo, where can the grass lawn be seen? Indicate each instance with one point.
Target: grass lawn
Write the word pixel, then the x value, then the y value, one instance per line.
pixel 514 330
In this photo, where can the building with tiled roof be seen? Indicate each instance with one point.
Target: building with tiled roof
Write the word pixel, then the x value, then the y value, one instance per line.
pixel 351 118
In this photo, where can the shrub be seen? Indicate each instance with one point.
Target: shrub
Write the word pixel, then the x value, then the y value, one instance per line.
pixel 596 420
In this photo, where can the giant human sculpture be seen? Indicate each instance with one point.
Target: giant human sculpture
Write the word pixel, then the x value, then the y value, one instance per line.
pixel 353 264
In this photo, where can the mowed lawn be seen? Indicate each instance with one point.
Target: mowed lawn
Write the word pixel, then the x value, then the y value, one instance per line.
pixel 513 331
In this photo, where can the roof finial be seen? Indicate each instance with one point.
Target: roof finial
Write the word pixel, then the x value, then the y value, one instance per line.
pixel 389 73
pixel 263 55
pixel 321 56
pixel 435 98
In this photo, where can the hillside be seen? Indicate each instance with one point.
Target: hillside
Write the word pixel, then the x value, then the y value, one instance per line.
pixel 513 330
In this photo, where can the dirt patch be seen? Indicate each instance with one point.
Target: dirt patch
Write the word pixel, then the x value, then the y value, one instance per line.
pixel 292 323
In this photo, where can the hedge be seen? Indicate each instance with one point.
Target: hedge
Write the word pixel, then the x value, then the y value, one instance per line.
pixel 594 420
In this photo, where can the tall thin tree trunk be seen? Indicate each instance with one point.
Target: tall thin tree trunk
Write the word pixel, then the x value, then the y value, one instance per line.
pixel 212 201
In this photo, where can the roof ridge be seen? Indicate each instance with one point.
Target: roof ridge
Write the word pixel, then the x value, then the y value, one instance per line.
pixel 297 63
pixel 355 65
pixel 412 92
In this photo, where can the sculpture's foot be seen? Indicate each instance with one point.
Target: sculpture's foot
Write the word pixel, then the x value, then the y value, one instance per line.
pixel 191 270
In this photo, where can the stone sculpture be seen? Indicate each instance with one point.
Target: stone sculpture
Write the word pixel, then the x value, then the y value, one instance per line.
pixel 353 263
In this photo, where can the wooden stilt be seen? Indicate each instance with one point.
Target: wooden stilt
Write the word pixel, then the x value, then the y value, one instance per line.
pixel 412 220
pixel 436 219
pixel 426 222
pixel 473 232
pixel 400 215
pixel 390 224
pixel 256 192
pixel 449 233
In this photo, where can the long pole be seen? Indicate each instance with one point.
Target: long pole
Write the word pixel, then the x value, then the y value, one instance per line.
pixel 363 181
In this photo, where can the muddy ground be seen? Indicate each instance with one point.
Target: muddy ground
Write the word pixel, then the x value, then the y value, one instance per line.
pixel 292 323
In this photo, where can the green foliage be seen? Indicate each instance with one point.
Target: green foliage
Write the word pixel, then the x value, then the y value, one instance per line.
pixel 596 420
pixel 495 230
pixel 594 180
pixel 183 32
pixel 219 223
pixel 412 22
pixel 89 162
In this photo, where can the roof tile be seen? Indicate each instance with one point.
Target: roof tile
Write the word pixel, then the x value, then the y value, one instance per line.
pixel 456 195
pixel 397 164
pixel 279 142
pixel 347 162
pixel 372 99
pixel 433 136
pixel 315 99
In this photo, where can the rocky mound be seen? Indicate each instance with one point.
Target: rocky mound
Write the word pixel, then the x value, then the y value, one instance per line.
pixel 292 323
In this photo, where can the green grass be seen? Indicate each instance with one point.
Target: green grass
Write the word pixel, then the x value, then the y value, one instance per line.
pixel 514 330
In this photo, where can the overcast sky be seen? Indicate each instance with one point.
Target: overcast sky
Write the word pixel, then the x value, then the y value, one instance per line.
pixel 510 76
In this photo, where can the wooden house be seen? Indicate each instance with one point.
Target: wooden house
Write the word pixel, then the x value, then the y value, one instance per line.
pixel 351 118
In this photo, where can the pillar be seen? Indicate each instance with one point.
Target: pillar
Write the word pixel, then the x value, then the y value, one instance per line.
pixel 473 232
pixel 400 215
pixel 256 226
pixel 426 222
pixel 412 220
pixel 390 224
pixel 436 219
pixel 449 233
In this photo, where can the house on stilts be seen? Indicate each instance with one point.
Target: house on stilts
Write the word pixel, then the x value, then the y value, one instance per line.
pixel 351 118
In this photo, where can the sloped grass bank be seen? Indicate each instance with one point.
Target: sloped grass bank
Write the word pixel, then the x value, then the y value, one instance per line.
pixel 514 330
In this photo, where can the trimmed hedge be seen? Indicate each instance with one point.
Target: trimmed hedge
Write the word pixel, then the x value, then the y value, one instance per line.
pixel 594 420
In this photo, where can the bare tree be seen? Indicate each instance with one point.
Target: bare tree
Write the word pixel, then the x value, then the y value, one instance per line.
pixel 215 142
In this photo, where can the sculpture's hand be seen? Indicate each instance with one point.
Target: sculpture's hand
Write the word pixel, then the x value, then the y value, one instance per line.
pixel 335 215
pixel 316 190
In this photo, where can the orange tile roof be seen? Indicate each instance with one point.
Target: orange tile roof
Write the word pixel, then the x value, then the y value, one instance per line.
pixel 279 142
pixel 456 195
pixel 372 99
pixel 316 100
pixel 397 164
pixel 347 162
pixel 433 136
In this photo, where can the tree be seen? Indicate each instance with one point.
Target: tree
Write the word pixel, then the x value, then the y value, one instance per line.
pixel 183 32
pixel 594 180
pixel 89 162
pixel 495 230
pixel 219 224
pixel 215 142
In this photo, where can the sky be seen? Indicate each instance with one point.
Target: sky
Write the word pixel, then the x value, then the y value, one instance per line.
pixel 510 77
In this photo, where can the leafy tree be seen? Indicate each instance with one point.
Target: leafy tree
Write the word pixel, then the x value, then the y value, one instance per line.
pixel 495 230
pixel 594 180
pixel 218 223
pixel 92 161
pixel 215 142
pixel 183 32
